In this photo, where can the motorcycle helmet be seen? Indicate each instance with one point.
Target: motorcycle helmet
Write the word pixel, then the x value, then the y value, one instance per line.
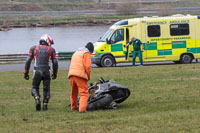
pixel 46 39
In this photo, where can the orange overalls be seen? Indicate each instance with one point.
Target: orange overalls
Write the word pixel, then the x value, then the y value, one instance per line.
pixel 79 74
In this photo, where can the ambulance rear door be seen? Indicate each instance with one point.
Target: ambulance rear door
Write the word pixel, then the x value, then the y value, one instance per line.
pixel 128 48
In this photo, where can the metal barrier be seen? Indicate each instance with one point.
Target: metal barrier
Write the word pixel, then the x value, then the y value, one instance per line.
pixel 21 58
pixel 12 58
pixel 64 55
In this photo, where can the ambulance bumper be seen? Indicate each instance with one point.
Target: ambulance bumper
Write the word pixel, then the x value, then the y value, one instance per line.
pixel 96 60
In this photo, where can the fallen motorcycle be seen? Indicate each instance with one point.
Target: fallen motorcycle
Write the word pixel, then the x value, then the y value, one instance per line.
pixel 106 95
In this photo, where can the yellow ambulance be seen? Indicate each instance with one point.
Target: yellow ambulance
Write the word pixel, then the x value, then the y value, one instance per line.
pixel 172 38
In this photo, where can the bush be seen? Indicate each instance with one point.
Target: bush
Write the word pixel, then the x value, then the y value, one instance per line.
pixel 128 8
pixel 90 19
pixel 166 9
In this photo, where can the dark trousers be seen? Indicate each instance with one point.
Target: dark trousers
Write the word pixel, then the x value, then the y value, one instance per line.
pixel 139 54
pixel 37 78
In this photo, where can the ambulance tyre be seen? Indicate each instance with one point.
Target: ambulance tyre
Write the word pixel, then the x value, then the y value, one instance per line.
pixel 186 58
pixel 107 61
pixel 176 62
pixel 99 65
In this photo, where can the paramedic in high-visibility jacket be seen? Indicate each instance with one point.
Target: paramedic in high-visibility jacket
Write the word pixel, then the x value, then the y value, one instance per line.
pixel 79 74
pixel 136 49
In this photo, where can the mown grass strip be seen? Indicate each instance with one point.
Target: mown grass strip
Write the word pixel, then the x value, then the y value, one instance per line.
pixel 164 98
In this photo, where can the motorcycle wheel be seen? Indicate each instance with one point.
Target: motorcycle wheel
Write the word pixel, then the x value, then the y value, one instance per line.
pixel 101 103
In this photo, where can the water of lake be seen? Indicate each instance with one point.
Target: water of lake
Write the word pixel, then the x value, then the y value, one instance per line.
pixel 19 40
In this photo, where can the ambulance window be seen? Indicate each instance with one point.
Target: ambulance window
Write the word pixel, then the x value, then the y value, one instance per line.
pixel 117 36
pixel 179 29
pixel 106 35
pixel 153 31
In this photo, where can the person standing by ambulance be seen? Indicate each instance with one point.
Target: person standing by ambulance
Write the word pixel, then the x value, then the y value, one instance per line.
pixel 79 74
pixel 136 49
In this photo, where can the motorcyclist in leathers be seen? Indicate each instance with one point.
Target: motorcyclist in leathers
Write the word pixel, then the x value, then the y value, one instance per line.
pixel 41 54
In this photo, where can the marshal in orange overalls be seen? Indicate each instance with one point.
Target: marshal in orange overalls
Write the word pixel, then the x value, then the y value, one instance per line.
pixel 79 74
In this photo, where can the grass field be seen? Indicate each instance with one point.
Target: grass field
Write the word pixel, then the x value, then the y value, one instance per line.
pixel 26 19
pixel 164 99
pixel 124 9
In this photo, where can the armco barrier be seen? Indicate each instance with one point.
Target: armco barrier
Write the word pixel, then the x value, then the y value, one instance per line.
pixel 21 58
pixel 12 58
pixel 64 55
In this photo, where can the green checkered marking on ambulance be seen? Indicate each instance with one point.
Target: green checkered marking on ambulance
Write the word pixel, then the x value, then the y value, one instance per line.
pixel 178 44
pixel 153 46
pixel 130 52
pixel 99 54
pixel 150 46
pixel 175 45
pixel 165 52
pixel 145 47
pixel 116 47
pixel 193 50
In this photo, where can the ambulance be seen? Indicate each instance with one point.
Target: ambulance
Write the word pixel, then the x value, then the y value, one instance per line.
pixel 171 38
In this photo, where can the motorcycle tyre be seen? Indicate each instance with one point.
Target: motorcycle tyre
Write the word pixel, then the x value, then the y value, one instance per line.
pixel 106 100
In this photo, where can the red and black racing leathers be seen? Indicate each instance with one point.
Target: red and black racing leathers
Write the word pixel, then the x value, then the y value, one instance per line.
pixel 41 55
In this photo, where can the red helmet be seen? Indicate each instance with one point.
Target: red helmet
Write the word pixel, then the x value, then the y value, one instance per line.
pixel 46 38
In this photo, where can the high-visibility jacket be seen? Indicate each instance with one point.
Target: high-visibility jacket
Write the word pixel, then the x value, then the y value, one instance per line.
pixel 77 66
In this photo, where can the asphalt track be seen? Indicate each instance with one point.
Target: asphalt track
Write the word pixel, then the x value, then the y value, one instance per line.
pixel 64 65
pixel 89 11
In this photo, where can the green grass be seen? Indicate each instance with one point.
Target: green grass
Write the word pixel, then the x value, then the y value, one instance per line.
pixel 164 98
pixel 46 19
pixel 69 5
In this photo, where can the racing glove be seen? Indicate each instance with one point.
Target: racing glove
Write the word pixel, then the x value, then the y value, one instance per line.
pixel 53 76
pixel 26 76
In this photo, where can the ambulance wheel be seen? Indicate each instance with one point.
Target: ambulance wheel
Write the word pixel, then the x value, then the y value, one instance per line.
pixel 176 62
pixel 107 61
pixel 99 65
pixel 186 58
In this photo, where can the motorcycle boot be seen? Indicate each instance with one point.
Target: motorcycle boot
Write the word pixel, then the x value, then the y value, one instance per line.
pixel 45 104
pixel 38 103
pixel 45 107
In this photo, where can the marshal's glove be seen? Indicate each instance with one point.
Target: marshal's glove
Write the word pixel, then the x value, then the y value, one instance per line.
pixel 53 76
pixel 26 76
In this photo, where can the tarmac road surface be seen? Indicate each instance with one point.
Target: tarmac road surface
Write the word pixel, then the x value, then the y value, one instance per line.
pixel 89 11
pixel 64 65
